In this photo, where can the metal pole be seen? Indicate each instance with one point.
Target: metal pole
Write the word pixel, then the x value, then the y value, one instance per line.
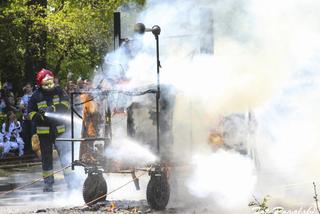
pixel 116 30
pixel 140 28
pixel 72 133
pixel 158 93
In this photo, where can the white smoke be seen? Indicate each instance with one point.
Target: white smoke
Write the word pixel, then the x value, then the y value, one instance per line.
pixel 129 152
pixel 215 176
pixel 265 61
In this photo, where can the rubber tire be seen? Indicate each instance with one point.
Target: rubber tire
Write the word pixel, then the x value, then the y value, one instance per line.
pixel 94 187
pixel 158 193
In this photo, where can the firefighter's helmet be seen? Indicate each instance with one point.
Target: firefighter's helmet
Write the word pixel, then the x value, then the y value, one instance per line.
pixel 45 79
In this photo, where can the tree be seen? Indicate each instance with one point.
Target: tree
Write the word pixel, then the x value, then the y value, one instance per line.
pixel 36 38
pixel 12 31
pixel 62 35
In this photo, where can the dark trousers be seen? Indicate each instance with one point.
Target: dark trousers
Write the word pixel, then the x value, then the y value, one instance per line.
pixel 47 141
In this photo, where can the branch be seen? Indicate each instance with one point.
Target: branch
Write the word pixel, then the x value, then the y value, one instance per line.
pixel 316 196
pixel 60 7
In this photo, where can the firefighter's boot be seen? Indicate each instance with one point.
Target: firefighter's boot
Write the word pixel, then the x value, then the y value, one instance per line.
pixel 48 184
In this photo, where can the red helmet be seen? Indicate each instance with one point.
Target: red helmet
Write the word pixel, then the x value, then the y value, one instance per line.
pixel 45 78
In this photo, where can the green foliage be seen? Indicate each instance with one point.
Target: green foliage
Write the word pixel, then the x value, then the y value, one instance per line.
pixel 65 35
pixel 263 207
pixel 11 40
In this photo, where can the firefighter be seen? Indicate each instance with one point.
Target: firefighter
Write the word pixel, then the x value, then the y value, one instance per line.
pixel 48 100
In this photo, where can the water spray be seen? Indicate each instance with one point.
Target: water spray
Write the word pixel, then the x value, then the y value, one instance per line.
pixel 59 116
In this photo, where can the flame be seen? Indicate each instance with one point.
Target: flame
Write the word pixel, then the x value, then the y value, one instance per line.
pixel 113 206
pixel 91 117
pixel 216 138
pixel 134 210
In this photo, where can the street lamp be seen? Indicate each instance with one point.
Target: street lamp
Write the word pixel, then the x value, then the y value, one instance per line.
pixel 141 29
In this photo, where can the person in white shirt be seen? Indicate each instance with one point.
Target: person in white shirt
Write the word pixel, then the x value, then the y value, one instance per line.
pixel 10 133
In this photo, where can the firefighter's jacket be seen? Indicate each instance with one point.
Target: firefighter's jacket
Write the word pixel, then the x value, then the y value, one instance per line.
pixel 41 100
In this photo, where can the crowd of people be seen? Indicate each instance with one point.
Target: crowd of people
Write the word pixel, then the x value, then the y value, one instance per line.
pixel 17 129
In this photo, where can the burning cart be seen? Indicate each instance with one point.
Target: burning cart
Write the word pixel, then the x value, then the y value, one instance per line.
pixel 95 187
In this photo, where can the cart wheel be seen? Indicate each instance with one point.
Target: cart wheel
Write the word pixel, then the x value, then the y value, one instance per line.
pixel 94 187
pixel 158 192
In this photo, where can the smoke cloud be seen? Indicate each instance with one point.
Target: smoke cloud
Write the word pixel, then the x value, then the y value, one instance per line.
pixel 130 153
pixel 259 89
pixel 216 177
pixel 263 70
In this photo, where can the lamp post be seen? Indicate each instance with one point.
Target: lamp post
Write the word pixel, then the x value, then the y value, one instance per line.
pixel 141 29
pixel 156 32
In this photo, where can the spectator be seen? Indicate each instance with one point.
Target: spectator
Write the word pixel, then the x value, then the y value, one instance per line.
pixel 87 85
pixel 10 103
pixel 7 87
pixel 71 87
pixel 28 90
pixel 11 138
pixel 2 102
pixel 18 101
pixel 56 81
pixel 26 123
pixel 80 83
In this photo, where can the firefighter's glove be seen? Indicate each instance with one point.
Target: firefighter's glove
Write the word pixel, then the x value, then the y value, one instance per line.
pixel 39 115
pixel 49 109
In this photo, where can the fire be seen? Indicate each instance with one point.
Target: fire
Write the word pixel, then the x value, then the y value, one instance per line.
pixel 113 206
pixel 134 210
pixel 91 119
pixel 216 140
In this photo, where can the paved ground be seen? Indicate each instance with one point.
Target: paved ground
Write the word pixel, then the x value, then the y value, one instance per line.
pixel 31 199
